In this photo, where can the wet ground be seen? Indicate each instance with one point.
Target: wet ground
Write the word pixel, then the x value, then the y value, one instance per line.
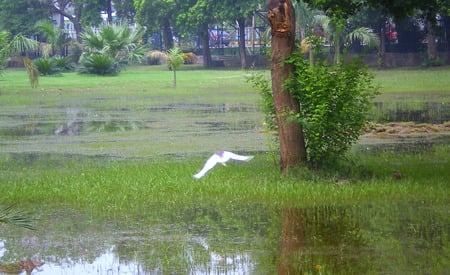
pixel 396 238
pixel 407 238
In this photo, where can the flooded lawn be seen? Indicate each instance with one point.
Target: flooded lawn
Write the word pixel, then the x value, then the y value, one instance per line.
pixel 408 237
pixel 396 238
pixel 138 131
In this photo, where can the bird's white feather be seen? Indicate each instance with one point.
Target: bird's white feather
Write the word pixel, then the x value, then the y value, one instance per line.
pixel 229 155
pixel 220 157
pixel 210 163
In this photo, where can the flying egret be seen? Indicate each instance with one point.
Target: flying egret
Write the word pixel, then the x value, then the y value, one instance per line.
pixel 220 157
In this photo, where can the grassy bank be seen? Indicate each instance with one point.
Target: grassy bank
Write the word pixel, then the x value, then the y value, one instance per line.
pixel 142 140
pixel 128 186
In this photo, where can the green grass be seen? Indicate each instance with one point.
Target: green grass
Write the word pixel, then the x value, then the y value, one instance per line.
pixel 415 80
pixel 148 157
pixel 116 186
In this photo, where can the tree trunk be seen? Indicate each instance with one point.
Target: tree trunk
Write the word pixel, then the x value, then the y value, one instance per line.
pixel 109 11
pixel 204 34
pixel 382 47
pixel 292 144
pixel 242 52
pixel 167 35
pixel 431 45
pixel 292 241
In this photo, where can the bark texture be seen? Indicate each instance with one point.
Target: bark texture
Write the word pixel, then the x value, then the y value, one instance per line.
pixel 281 16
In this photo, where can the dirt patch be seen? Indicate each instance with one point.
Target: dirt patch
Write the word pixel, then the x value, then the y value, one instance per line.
pixel 405 128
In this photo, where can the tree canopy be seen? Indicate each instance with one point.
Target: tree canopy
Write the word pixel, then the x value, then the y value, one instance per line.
pixel 397 8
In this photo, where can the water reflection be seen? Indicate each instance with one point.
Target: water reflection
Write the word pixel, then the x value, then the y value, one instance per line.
pixel 380 238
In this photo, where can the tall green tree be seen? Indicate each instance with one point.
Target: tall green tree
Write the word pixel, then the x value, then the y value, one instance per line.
pixel 241 13
pixel 157 15
pixel 81 13
pixel 19 16
pixel 399 9
pixel 125 10
pixel 198 15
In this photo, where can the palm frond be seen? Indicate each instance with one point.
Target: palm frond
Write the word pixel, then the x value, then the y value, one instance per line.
pixel 366 36
pixel 32 71
pixel 15 217
pixel 21 44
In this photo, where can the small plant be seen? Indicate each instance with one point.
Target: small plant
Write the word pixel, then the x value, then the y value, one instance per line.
pixel 46 66
pixel 100 64
pixel 63 63
pixel 175 60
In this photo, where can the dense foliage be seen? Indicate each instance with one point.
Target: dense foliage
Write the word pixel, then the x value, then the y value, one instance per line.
pixel 100 64
pixel 334 101
pixel 53 65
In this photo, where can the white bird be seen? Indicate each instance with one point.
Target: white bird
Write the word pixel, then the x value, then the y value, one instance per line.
pixel 220 157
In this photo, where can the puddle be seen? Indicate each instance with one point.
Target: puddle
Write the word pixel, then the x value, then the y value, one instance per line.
pixel 418 112
pixel 413 143
pixel 374 239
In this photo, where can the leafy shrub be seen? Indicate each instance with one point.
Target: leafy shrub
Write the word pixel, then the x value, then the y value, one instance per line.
pixel 189 58
pixel 45 66
pixel 63 63
pixel 53 65
pixel 334 101
pixel 100 64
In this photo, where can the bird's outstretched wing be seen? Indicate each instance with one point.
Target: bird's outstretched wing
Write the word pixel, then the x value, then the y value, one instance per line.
pixel 210 163
pixel 230 155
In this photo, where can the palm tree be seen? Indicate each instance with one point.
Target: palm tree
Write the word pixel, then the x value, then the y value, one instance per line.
pixel 56 37
pixel 175 60
pixel 14 47
pixel 118 41
pixel 335 31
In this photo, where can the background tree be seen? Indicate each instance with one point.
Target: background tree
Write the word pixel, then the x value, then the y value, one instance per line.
pixel 427 10
pixel 157 15
pixel 56 37
pixel 79 12
pixel 125 10
pixel 19 16
pixel 197 15
pixel 241 12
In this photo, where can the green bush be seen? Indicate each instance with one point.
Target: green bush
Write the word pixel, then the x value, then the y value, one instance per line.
pixel 53 65
pixel 334 102
pixel 100 64
pixel 63 63
pixel 46 66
